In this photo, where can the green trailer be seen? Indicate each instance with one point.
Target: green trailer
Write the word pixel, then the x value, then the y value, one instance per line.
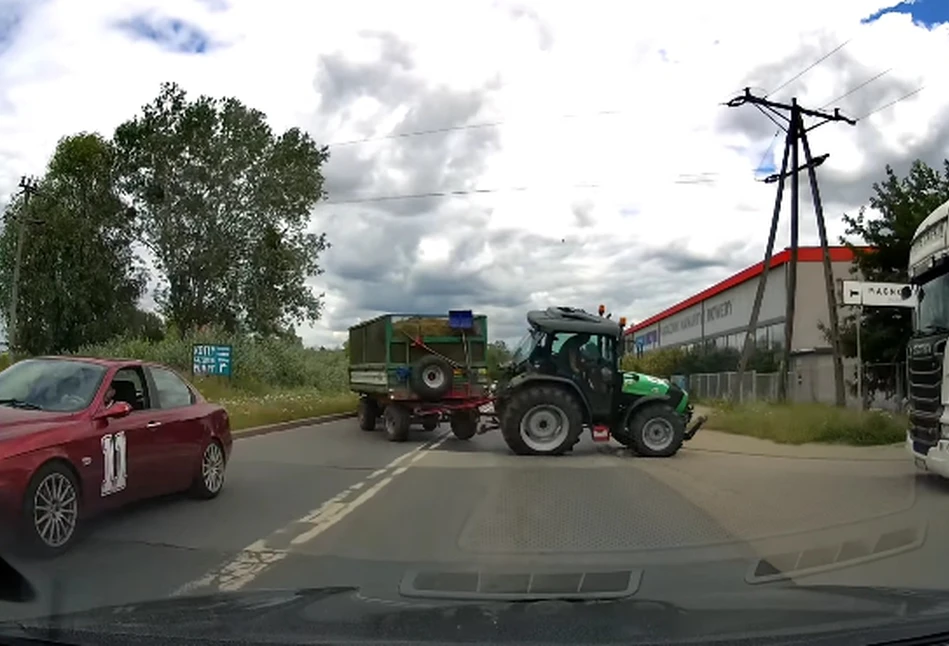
pixel 420 368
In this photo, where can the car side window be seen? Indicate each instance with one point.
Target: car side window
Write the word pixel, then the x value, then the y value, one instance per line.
pixel 171 390
pixel 128 385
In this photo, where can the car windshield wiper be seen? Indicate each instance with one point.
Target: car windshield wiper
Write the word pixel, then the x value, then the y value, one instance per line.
pixel 19 403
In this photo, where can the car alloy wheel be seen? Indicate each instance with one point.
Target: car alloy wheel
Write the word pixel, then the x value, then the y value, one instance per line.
pixel 55 510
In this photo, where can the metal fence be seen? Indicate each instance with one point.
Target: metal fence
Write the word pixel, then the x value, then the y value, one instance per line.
pixel 884 384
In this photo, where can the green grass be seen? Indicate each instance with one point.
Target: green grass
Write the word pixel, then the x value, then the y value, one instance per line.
pixel 248 410
pixel 808 423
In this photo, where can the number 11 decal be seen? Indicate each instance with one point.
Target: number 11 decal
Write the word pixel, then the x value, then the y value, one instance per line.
pixel 115 466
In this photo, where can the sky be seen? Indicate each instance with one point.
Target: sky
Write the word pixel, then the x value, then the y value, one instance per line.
pixel 585 149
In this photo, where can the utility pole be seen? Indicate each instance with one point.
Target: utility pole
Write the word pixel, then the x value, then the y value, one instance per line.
pixel 28 188
pixel 790 118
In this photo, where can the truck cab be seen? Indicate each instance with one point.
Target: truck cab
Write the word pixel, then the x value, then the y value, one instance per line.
pixel 927 439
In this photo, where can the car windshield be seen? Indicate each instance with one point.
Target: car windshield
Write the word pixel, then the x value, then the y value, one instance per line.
pixel 50 384
pixel 933 310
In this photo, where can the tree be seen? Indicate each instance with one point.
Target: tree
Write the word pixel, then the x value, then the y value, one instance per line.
pixel 902 203
pixel 80 278
pixel 497 354
pixel 224 204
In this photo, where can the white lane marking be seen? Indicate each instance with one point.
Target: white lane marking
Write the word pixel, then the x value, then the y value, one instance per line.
pixel 256 558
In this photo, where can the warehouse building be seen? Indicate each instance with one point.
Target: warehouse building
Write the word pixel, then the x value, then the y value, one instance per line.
pixel 718 316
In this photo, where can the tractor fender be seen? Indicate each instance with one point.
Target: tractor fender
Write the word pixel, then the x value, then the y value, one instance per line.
pixel 639 403
pixel 528 379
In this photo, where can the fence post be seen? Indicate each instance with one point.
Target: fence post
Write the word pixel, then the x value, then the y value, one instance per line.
pixel 754 385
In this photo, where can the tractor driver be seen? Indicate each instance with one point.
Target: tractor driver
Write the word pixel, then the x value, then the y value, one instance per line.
pixel 569 356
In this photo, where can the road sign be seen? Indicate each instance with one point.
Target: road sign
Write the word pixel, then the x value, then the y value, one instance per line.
pixel 210 359
pixel 878 294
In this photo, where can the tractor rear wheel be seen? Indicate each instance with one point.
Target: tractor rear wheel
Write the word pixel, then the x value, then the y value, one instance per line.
pixel 542 420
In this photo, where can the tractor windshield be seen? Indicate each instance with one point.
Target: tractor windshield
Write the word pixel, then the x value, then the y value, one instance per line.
pixel 525 347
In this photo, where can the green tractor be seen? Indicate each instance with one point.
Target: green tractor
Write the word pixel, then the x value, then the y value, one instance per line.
pixel 564 376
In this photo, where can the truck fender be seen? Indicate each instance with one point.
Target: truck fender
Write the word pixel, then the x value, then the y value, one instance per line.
pixel 639 403
pixel 530 379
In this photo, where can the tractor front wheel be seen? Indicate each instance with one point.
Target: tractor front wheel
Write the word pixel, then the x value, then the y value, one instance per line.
pixel 542 420
pixel 656 431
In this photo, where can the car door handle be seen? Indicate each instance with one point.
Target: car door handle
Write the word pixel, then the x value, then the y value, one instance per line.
pixel 153 425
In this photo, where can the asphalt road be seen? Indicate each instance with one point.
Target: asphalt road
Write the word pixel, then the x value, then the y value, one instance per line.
pixel 332 505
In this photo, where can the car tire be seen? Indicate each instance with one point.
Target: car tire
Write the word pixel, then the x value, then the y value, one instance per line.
pixel 368 413
pixel 397 423
pixel 209 481
pixel 464 425
pixel 656 431
pixel 534 407
pixel 54 482
pixel 431 377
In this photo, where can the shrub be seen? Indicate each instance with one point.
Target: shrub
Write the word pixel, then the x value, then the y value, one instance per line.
pixel 811 422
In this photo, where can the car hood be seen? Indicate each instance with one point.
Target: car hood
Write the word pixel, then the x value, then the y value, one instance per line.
pixel 826 614
pixel 15 422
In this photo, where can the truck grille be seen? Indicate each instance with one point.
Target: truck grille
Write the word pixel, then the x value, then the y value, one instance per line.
pixel 925 358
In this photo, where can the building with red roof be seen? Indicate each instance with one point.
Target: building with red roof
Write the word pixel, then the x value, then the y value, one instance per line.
pixel 718 316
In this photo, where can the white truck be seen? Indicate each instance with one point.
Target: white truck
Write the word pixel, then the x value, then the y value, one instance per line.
pixel 927 439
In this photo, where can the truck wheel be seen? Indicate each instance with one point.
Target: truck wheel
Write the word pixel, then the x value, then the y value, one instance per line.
pixel 431 377
pixel 542 420
pixel 464 425
pixel 656 431
pixel 397 423
pixel 368 413
pixel 430 422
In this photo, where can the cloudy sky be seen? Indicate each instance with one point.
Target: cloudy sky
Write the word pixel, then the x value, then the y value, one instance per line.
pixel 583 147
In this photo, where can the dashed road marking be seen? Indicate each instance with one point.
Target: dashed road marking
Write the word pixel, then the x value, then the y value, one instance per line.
pixel 256 558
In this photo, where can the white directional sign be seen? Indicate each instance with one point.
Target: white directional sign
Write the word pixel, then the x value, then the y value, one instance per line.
pixel 879 294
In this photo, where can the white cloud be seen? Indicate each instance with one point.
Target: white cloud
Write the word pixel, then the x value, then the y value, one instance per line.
pixel 367 68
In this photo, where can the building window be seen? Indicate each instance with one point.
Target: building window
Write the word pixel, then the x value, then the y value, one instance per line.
pixel 776 336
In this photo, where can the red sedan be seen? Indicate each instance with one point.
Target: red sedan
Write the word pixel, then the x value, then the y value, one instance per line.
pixel 80 436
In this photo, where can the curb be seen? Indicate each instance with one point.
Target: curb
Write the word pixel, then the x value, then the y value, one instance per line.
pixel 287 426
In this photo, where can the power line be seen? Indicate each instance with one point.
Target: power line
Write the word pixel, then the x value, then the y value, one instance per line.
pixel 466 126
pixel 892 103
pixel 808 68
pixel 768 151
pixel 694 178
pixel 862 85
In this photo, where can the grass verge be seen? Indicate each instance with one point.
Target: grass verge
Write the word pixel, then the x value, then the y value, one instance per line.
pixel 808 423
pixel 251 409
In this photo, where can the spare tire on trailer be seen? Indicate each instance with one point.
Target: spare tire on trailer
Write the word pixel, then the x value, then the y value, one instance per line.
pixel 431 377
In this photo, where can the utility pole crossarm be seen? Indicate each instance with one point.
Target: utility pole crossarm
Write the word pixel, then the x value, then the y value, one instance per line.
pixel 748 97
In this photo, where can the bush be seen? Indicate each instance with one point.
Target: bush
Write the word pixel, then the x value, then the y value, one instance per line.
pixel 260 365
pixel 804 423
pixel 665 362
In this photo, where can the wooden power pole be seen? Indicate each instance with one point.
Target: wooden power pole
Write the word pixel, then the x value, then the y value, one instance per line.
pixel 28 188
pixel 790 118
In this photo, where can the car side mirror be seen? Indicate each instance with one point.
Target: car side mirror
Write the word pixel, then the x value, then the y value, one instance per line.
pixel 115 411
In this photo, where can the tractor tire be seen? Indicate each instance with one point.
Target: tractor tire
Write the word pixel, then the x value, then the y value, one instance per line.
pixel 367 412
pixel 430 423
pixel 656 431
pixel 464 425
pixel 532 411
pixel 431 378
pixel 397 421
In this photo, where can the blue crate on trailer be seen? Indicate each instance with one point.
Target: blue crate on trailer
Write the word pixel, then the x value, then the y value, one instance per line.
pixel 460 319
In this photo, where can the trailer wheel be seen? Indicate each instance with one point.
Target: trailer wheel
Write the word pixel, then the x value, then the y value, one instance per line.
pixel 464 424
pixel 656 431
pixel 542 420
pixel 397 423
pixel 431 377
pixel 367 412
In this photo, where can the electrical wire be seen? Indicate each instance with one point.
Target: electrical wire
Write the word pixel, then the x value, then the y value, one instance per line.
pixel 809 68
pixel 466 126
pixel 768 151
pixel 861 86
pixel 892 103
